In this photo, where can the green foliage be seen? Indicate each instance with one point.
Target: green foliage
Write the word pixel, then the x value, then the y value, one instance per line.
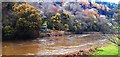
pixel 45 23
pixel 116 27
pixel 66 27
pixel 26 23
pixel 54 22
pixel 8 31
pixel 22 22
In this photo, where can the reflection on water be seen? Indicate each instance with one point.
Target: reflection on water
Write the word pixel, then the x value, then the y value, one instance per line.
pixel 37 46
pixel 16 48
pixel 0 48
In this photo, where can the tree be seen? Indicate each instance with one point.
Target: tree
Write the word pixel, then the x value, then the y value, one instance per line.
pixel 55 22
pixel 27 22
pixel 65 19
pixel 29 19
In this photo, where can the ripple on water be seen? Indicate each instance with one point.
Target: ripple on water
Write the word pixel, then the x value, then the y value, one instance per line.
pixel 55 45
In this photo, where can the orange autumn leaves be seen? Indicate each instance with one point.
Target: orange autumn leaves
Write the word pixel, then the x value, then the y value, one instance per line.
pixel 91 13
pixel 98 6
pixel 86 3
pixel 95 13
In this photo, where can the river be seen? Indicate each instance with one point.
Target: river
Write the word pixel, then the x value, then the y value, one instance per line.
pixel 56 45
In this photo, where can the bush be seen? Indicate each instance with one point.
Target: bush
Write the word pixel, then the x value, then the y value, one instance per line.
pixel 8 32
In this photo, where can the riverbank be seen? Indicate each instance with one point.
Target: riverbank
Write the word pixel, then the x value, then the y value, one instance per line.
pixel 109 49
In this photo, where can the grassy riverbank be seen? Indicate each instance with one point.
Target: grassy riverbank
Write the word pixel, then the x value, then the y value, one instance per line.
pixel 110 49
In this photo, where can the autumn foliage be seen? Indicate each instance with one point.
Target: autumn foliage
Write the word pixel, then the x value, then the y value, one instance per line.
pixel 26 23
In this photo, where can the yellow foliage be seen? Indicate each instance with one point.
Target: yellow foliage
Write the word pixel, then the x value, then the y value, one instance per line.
pixel 57 14
pixel 52 17
pixel 66 12
pixel 30 13
pixel 58 21
pixel 54 20
pixel 25 8
pixel 95 13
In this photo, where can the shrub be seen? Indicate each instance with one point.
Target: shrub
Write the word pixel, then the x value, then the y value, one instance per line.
pixel 8 32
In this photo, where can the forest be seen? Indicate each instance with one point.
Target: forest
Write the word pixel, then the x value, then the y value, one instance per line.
pixel 20 19
pixel 54 24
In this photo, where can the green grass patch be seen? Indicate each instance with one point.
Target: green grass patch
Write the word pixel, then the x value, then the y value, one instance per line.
pixel 119 46
pixel 107 50
pixel 116 27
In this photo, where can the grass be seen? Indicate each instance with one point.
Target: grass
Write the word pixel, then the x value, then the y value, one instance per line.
pixel 116 27
pixel 111 49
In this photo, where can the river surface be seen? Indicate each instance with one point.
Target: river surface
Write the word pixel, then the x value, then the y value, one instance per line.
pixel 56 45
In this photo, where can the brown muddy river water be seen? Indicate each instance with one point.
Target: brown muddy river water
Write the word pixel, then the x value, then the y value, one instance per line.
pixel 56 45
